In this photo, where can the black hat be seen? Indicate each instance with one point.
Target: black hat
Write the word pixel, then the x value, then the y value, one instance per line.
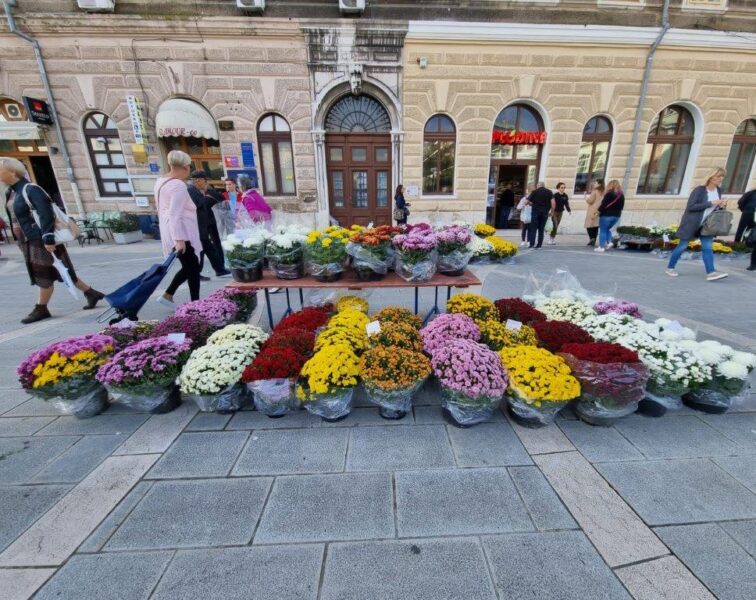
pixel 198 175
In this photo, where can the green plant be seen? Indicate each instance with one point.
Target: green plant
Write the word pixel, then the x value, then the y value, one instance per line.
pixel 631 230
pixel 124 223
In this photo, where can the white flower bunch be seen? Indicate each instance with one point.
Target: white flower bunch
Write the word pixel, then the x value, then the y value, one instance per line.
pixel 668 362
pixel 213 368
pixel 480 247
pixel 462 223
pixel 288 240
pixel 665 329
pixel 611 326
pixel 231 242
pixel 560 309
pixel 239 332
pixel 723 360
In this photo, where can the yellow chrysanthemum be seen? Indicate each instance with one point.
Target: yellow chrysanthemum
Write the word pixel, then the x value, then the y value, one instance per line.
pixel 537 376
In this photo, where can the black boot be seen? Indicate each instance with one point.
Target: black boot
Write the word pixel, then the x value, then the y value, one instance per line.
pixel 39 313
pixel 93 297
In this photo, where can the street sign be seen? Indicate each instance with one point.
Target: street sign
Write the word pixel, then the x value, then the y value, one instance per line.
pixel 154 168
pixel 248 154
pixel 137 120
pixel 39 111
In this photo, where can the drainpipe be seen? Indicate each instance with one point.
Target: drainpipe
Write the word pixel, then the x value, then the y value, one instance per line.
pixel 644 92
pixel 50 100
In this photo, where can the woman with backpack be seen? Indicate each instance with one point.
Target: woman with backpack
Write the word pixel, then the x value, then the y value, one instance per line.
pixel 32 217
pixel 704 200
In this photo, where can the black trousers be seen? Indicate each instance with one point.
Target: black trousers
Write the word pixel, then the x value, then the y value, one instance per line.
pixel 214 253
pixel 537 227
pixel 592 233
pixel 746 221
pixel 190 271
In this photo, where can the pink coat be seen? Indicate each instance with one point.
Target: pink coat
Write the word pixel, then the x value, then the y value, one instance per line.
pixel 177 215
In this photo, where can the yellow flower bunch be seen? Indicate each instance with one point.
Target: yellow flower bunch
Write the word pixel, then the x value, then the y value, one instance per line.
pixel 341 335
pixel 475 306
pixel 330 368
pixel 502 248
pixel 483 230
pixel 721 248
pixel 537 376
pixel 399 335
pixel 398 314
pixel 327 246
pixel 351 318
pixel 352 302
pixel 57 367
pixel 496 336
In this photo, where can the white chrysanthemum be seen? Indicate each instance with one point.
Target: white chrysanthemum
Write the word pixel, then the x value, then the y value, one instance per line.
pixel 480 247
pixel 229 245
pixel 731 369
pixel 746 359
pixel 559 309
pixel 239 332
pixel 211 369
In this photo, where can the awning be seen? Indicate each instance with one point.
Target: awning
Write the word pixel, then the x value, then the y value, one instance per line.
pixel 19 130
pixel 180 117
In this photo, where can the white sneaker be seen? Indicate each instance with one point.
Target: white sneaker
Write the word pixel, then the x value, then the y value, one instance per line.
pixel 599 249
pixel 165 302
pixel 523 244
pixel 715 275
pixel 672 273
pixel 552 242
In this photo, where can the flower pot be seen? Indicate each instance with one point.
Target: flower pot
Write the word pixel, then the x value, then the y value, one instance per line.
pixel 226 401
pixel 465 412
pixel 328 277
pixel 331 407
pixel 247 274
pixel 393 405
pixel 454 263
pixel 455 273
pixel 157 400
pixel 603 416
pixel 416 272
pixel 91 402
pixel 129 237
pixel 273 397
pixel 531 416
pixel 709 401
pixel 295 271
pixel 368 275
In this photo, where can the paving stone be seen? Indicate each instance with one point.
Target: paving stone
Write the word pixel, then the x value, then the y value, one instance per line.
pixel 458 502
pixel 725 568
pixel 122 576
pixel 256 573
pixel 20 584
pixel 293 451
pixel 433 415
pixel 680 491
pixel 389 448
pixel 22 458
pixel 445 569
pixel 79 460
pixel 203 454
pixel 315 508
pixel 542 502
pixel 488 445
pixel 744 533
pixel 11 399
pixel 54 537
pixel 599 444
pixel 102 424
pixel 22 505
pixel 33 407
pixel 616 531
pixel 181 514
pixel 21 426
pixel 361 417
pixel 742 468
pixel 675 437
pixel 740 428
pixel 559 564
pixel 159 431
pixel 545 440
pixel 257 420
pixel 208 422
pixel 662 579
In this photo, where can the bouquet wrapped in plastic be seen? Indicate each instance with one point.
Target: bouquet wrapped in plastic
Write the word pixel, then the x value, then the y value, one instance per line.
pixel 391 376
pixel 452 246
pixel 271 377
pixel 371 251
pixel 327 382
pixel 416 254
pixel 325 253
pixel 245 254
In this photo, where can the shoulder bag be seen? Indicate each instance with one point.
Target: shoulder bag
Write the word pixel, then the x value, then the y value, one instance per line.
pixel 65 228
pixel 719 222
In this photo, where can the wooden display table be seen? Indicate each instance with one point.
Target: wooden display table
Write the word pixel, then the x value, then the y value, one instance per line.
pixel 349 281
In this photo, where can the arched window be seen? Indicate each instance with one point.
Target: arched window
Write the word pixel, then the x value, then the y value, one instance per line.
pixel 667 150
pixel 740 160
pixel 107 158
pixel 357 114
pixel 438 155
pixel 594 151
pixel 276 156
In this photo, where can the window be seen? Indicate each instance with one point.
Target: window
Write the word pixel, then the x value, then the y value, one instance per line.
pixel 205 155
pixel 357 114
pixel 740 160
pixel 667 150
pixel 106 155
pixel 277 156
pixel 594 150
pixel 438 155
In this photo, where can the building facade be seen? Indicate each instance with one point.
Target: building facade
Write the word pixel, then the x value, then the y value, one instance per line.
pixel 329 110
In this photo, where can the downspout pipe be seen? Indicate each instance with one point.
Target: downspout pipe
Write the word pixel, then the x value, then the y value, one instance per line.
pixel 50 100
pixel 644 93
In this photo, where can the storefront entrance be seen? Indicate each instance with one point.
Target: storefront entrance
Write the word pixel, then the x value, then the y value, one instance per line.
pixel 506 177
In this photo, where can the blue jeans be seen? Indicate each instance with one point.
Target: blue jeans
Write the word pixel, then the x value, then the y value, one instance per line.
pixel 706 251
pixel 605 230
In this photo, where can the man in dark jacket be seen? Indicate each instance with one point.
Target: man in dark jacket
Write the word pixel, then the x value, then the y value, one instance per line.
pixel 208 230
pixel 543 203
pixel 747 206
pixel 506 204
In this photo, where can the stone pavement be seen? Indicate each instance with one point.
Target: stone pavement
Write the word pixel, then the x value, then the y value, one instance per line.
pixel 187 505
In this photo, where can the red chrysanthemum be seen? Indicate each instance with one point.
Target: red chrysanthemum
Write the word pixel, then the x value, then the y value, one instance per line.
pixel 601 352
pixel 518 310
pixel 274 363
pixel 552 335
pixel 308 318
pixel 299 340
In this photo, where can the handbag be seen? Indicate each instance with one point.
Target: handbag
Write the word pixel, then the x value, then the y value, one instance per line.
pixel 526 215
pixel 719 222
pixel 399 214
pixel 65 228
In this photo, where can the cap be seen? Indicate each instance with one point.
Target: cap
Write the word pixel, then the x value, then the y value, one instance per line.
pixel 198 175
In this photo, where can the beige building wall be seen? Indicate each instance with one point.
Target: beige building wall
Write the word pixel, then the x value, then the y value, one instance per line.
pixel 473 81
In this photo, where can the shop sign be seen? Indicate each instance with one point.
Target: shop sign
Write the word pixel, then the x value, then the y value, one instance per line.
pixel 177 132
pixel 518 137
pixel 39 111
pixel 232 162
pixel 137 119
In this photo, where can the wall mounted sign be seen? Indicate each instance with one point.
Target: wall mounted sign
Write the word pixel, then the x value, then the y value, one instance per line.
pixel 518 137
pixel 39 111
pixel 231 162
pixel 137 120
pixel 178 132
pixel 248 154
pixel 154 168
pixel 226 125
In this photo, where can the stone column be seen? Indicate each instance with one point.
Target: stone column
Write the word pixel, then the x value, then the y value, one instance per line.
pixel 397 141
pixel 321 177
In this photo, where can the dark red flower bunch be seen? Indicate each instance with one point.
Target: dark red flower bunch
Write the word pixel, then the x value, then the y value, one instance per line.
pixel 518 310
pixel 299 340
pixel 274 363
pixel 195 328
pixel 309 318
pixel 552 335
pixel 601 352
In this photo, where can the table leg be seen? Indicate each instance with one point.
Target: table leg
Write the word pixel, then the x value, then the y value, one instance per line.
pixel 270 311
pixel 417 299
pixel 435 310
pixel 448 293
pixel 301 299
pixel 288 303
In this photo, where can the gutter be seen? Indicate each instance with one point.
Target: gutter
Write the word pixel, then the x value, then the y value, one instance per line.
pixel 7 4
pixel 644 94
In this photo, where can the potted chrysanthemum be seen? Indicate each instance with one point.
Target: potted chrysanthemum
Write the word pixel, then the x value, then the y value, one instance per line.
pixel 391 376
pixel 416 254
pixel 452 245
pixel 327 382
pixel 270 378
pixel 371 251
pixel 325 253
pixel 285 252
pixel 245 254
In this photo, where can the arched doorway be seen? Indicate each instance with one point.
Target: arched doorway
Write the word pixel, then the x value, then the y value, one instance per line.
pixel 358 161
pixel 516 150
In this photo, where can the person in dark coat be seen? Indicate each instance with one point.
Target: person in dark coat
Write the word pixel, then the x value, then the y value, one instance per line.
pixel 204 200
pixel 400 204
pixel 542 204
pixel 32 220
pixel 506 204
pixel 562 203
pixel 703 200
pixel 747 206
pixel 609 211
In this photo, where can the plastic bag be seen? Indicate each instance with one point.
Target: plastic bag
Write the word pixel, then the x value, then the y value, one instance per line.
pixel 661 397
pixel 153 399
pixel 717 396
pixel 529 415
pixel 420 271
pixel 273 397
pixel 394 404
pixel 90 402
pixel 66 277
pixel 322 296
pixel 365 259
pixel 560 283
pixel 231 399
pixel 287 271
pixel 454 261
pixel 466 411
pixel 331 407
pixel 327 271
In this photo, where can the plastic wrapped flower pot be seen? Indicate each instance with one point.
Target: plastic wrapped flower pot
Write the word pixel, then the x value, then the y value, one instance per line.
pixel 273 397
pixel 530 415
pixel 325 273
pixel 87 401
pixel 285 253
pixel 245 254
pixel 453 250
pixel 229 400
pixel 422 270
pixel 464 411
pixel 661 397
pixel 152 399
pixel 454 263
pixel 325 253
pixel 371 252
pixel 392 375
pixel 716 396
pixel 287 271
pixel 327 381
pixel 247 273
pixel 416 254
pixel 331 407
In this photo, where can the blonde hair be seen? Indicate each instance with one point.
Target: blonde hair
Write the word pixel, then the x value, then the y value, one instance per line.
pixel 178 158
pixel 13 165
pixel 715 173
pixel 614 185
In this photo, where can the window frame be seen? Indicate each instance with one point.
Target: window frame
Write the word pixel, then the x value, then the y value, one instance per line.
pixel 676 140
pixel 440 136
pixel 594 139
pixel 275 137
pixel 743 140
pixel 92 133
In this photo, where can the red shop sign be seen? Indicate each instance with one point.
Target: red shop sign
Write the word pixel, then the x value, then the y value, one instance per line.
pixel 518 137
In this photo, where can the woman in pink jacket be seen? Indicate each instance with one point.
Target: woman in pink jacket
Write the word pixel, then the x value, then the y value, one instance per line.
pixel 178 225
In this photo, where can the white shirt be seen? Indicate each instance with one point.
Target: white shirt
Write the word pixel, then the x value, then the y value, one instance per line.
pixel 713 197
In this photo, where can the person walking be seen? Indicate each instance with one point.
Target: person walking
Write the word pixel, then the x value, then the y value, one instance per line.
pixel 747 206
pixel 703 201
pixel 401 206
pixel 32 219
pixel 591 213
pixel 609 211
pixel 506 204
pixel 224 217
pixel 179 227
pixel 543 205
pixel 561 203
pixel 526 211
pixel 204 200
pixel 257 208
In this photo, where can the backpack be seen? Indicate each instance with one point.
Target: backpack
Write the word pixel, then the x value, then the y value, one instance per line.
pixel 719 222
pixel 65 228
